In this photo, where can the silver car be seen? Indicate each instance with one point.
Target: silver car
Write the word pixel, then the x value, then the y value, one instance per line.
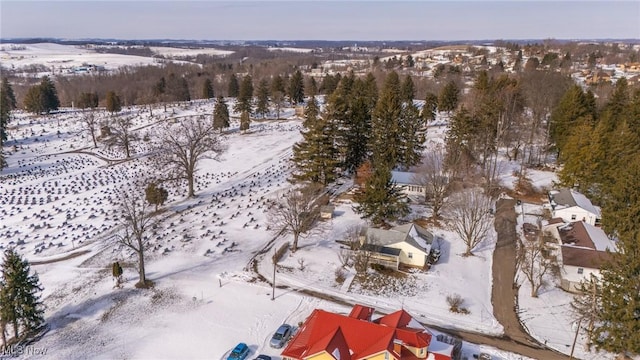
pixel 281 336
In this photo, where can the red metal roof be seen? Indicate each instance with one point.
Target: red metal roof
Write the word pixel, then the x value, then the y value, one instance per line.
pixel 353 337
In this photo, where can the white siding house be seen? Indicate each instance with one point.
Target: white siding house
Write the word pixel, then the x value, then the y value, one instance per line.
pixel 405 180
pixel 572 206
pixel 582 249
pixel 407 245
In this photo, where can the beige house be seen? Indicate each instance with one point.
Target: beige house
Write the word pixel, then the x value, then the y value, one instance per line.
pixel 406 181
pixel 406 245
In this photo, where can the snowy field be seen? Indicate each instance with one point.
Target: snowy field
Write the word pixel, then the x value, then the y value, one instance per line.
pixel 58 206
pixel 65 59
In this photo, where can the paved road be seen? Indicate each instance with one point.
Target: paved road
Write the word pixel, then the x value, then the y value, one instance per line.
pixel 515 340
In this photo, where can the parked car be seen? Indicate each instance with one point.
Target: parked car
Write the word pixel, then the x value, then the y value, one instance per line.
pixel 434 256
pixel 263 357
pixel 239 352
pixel 281 336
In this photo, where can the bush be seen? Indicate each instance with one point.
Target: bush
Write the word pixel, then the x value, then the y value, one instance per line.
pixel 340 276
pixel 455 302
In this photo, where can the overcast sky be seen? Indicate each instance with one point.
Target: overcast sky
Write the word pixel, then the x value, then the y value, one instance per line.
pixel 320 20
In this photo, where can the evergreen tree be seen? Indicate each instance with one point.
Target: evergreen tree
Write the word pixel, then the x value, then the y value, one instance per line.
pixel 245 96
pixel 262 98
pixel 245 121
pixel 296 88
pixel 357 126
pixel 49 95
pixel 42 98
pixel 408 90
pixel 412 136
pixel 385 125
pixel 220 114
pixel 430 107
pixel 618 328
pixel 156 195
pixel 7 104
pixel 381 201
pixel 20 303
pixel 572 110
pixel 233 88
pixel 277 86
pixel 113 102
pixel 207 89
pixel 448 99
pixel 329 84
pixel 312 87
pixel 315 157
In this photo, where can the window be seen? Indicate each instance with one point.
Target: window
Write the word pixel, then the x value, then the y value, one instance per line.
pixel 386 355
pixel 410 255
pixel 421 351
pixel 580 270
pixel 573 217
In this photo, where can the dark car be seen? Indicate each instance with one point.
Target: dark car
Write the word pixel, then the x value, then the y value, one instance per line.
pixel 281 336
pixel 263 357
pixel 239 352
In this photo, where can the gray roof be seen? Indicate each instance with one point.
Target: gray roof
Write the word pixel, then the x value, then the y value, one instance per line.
pixel 569 198
pixel 403 178
pixel 381 249
pixel 412 234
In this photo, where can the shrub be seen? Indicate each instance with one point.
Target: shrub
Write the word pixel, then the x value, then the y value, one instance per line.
pixel 340 275
pixel 455 302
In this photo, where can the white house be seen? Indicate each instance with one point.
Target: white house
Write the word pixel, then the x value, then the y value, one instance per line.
pixel 407 245
pixel 406 181
pixel 571 205
pixel 582 249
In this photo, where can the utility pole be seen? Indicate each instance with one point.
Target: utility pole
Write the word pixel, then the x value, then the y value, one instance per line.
pixel 273 292
pixel 575 338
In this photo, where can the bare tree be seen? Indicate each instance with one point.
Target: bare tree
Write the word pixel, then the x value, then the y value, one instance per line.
pixel 136 221
pixel 183 145
pixel 363 252
pixel 532 260
pixel 296 213
pixel 278 102
pixel 433 175
pixel 90 124
pixel 121 134
pixel 470 215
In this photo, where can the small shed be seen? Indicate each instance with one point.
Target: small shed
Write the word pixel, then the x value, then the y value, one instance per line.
pixel 326 212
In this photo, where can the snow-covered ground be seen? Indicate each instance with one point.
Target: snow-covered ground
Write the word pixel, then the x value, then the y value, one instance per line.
pixel 70 59
pixel 58 198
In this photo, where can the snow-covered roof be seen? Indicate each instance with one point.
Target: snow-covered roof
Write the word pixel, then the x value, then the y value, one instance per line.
pixel 568 198
pixel 412 234
pixel 600 240
pixel 403 178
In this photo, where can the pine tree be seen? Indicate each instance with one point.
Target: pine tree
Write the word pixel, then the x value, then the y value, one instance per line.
pixel 380 200
pixel 33 100
pixel 572 110
pixel 233 88
pixel 20 303
pixel 408 89
pixel 357 127
pixel 311 112
pixel 277 86
pixel 618 328
pixel 49 95
pixel 448 99
pixel 312 87
pixel 385 126
pixel 315 157
pixel 245 121
pixel 113 102
pixel 220 114
pixel 262 98
pixel 412 136
pixel 7 104
pixel 296 88
pixel 430 107
pixel 207 89
pixel 245 96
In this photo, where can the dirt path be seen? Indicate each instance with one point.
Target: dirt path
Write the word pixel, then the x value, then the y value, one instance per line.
pixel 504 291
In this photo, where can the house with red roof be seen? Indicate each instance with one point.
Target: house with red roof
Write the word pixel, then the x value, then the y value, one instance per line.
pixel 396 336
